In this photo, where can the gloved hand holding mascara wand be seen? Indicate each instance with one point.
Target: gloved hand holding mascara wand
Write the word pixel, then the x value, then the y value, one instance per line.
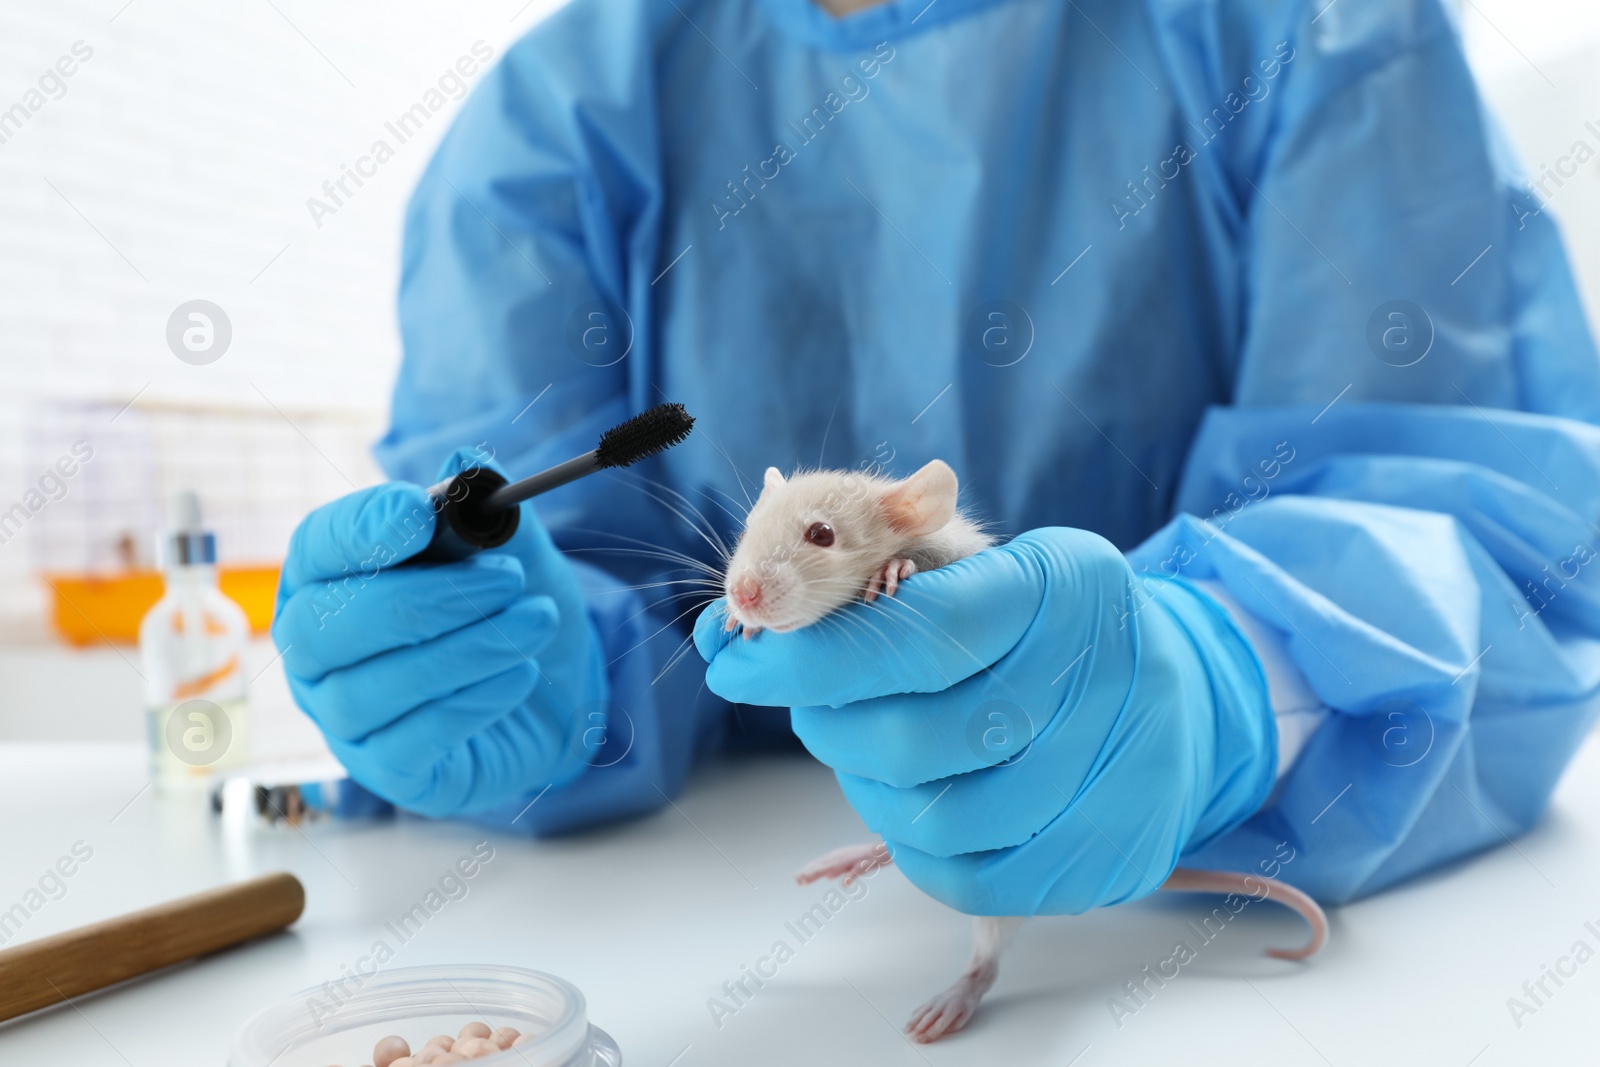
pixel 448 679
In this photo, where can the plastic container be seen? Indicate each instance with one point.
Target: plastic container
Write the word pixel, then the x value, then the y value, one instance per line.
pixel 313 1029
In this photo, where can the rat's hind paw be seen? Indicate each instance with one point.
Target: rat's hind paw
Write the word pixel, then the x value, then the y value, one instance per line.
pixel 945 1013
pixel 850 862
pixel 889 577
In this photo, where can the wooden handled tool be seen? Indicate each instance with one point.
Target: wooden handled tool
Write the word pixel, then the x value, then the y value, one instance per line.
pixel 45 972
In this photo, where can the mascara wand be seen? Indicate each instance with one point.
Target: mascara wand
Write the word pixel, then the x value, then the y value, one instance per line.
pixel 477 508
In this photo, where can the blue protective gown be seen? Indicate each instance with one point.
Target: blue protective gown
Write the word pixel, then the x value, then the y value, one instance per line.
pixel 1127 266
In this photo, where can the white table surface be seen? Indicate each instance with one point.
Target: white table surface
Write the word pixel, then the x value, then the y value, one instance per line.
pixel 650 918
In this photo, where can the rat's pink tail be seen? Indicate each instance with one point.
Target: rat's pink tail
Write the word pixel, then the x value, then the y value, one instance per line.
pixel 1188 880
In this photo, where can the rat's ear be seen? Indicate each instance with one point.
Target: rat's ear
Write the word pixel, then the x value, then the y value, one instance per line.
pixel 924 502
pixel 774 478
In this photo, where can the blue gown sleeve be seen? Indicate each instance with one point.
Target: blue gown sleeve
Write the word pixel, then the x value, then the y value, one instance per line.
pixel 1407 481
pixel 524 319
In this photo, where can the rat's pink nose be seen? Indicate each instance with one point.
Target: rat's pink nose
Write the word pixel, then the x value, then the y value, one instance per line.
pixel 746 592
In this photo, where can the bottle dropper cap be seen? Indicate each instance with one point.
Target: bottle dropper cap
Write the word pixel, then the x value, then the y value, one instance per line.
pixel 187 543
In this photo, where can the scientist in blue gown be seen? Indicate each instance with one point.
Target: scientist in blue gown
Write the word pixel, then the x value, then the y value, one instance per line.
pixel 1235 318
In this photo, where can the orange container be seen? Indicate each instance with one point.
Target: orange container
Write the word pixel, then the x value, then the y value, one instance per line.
pixel 92 609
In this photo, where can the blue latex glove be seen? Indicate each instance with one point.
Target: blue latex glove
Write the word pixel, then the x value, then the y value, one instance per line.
pixel 444 688
pixel 1032 729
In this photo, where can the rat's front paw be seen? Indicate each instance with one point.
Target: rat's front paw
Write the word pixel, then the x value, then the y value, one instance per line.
pixel 734 624
pixel 888 578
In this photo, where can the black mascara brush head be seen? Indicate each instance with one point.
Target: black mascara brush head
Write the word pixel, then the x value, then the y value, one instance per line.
pixel 646 434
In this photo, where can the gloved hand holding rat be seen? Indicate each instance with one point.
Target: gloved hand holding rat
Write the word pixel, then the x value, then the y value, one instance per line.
pixel 1031 729
pixel 447 688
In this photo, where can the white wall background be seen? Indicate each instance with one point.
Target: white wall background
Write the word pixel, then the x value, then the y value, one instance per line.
pixel 177 164
pixel 1538 62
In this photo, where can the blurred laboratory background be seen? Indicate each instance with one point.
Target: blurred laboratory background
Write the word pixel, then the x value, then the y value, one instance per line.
pixel 195 152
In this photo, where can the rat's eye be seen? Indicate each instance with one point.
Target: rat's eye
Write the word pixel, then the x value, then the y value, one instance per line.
pixel 819 534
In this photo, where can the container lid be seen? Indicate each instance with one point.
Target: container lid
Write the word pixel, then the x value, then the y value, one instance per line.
pixel 187 543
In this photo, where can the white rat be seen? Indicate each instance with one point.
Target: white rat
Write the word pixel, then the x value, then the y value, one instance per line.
pixel 815 542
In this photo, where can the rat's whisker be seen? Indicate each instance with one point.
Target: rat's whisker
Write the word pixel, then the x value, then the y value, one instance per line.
pixel 737 517
pixel 705 574
pixel 845 634
pixel 707 533
pixel 683 649
pixel 737 474
pixel 659 631
pixel 702 596
pixel 826 430
pixel 710 489
pixel 901 644
pixel 652 545
pixel 861 623
pixel 706 583
pixel 684 501
pixel 931 626
pixel 855 628
pixel 648 552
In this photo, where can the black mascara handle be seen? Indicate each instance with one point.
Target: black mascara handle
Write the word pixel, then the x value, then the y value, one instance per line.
pixel 464 522
pixel 554 478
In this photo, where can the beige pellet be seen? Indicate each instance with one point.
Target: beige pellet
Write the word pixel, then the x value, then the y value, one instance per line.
pixel 388 1049
pixel 477 1047
pixel 475 1041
